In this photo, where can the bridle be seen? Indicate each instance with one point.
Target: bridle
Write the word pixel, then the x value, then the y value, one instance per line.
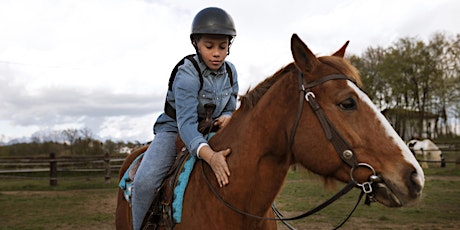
pixel 341 146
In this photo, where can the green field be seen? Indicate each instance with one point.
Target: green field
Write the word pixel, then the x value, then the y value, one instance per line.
pixel 86 202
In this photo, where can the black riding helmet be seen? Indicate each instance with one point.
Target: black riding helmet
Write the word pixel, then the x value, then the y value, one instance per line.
pixel 212 20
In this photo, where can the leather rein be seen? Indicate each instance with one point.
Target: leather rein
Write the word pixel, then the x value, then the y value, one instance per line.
pixel 341 146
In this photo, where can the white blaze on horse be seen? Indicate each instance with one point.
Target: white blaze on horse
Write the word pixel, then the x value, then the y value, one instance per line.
pixel 428 151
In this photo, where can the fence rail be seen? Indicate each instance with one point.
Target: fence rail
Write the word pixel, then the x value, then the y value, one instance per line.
pixel 54 165
pixel 107 164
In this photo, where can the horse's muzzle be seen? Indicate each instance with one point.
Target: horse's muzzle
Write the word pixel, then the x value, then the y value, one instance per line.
pixel 384 195
pixel 389 194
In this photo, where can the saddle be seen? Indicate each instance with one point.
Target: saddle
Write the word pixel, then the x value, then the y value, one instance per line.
pixel 161 210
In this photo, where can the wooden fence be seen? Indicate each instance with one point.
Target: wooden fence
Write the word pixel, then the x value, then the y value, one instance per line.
pixel 107 165
pixel 453 159
pixel 55 165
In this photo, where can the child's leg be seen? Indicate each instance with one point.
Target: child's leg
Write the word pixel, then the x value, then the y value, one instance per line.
pixel 155 164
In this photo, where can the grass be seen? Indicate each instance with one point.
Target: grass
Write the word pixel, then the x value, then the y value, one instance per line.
pixel 78 203
pixel 438 209
pixel 86 202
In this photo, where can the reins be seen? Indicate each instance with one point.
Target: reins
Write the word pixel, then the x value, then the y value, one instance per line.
pixel 341 146
pixel 342 192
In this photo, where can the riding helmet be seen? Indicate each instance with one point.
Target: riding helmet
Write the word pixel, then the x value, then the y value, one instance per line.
pixel 213 20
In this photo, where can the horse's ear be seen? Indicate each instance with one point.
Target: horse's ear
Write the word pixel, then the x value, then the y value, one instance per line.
pixel 341 51
pixel 304 59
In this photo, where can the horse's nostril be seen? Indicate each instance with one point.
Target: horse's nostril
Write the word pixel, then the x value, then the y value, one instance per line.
pixel 415 184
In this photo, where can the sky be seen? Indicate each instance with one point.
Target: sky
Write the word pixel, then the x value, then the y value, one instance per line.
pixel 104 65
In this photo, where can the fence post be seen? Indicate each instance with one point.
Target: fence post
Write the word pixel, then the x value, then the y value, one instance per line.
pixel 53 170
pixel 107 167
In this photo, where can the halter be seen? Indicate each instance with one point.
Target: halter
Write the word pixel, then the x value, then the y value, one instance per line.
pixel 341 146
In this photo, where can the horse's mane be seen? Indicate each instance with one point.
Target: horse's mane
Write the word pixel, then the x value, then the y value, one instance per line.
pixel 253 96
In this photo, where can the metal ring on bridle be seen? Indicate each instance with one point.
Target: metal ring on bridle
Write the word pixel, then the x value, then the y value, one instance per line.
pixel 366 186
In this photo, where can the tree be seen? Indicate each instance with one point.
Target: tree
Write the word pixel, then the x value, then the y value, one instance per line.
pixel 446 51
pixel 374 83
pixel 71 136
pixel 109 146
pixel 412 75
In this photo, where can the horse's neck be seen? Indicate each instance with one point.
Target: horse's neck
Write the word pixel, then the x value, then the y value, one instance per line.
pixel 255 181
pixel 260 156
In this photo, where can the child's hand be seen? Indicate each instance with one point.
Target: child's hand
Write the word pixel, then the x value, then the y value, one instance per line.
pixel 219 165
pixel 222 121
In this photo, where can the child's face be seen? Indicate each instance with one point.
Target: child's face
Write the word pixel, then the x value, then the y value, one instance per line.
pixel 213 50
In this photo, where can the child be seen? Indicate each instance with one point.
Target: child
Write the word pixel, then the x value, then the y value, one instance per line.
pixel 212 34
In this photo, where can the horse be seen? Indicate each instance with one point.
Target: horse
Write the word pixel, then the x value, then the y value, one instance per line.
pixel 310 112
pixel 428 150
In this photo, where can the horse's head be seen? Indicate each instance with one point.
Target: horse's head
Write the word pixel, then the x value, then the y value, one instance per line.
pixel 352 122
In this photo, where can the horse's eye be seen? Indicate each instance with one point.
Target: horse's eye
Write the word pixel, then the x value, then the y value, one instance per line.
pixel 348 104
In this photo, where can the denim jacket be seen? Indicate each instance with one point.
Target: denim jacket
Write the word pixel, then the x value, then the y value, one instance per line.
pixel 189 103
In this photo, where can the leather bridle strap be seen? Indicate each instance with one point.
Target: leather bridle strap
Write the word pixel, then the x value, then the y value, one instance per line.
pixel 341 146
pixel 326 78
pixel 299 111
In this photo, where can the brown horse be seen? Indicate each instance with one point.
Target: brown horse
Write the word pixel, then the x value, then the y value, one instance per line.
pixel 273 129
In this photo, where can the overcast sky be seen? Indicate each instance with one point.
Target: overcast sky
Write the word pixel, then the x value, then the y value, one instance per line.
pixel 104 64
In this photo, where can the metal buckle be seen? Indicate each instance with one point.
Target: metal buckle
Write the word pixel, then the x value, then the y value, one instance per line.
pixel 311 94
pixel 366 186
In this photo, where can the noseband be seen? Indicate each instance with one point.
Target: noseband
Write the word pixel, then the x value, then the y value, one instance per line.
pixel 341 146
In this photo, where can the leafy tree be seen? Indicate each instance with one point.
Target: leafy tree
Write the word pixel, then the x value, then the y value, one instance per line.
pixel 413 75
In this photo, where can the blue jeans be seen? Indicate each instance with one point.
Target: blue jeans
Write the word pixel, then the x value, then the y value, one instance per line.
pixel 155 164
